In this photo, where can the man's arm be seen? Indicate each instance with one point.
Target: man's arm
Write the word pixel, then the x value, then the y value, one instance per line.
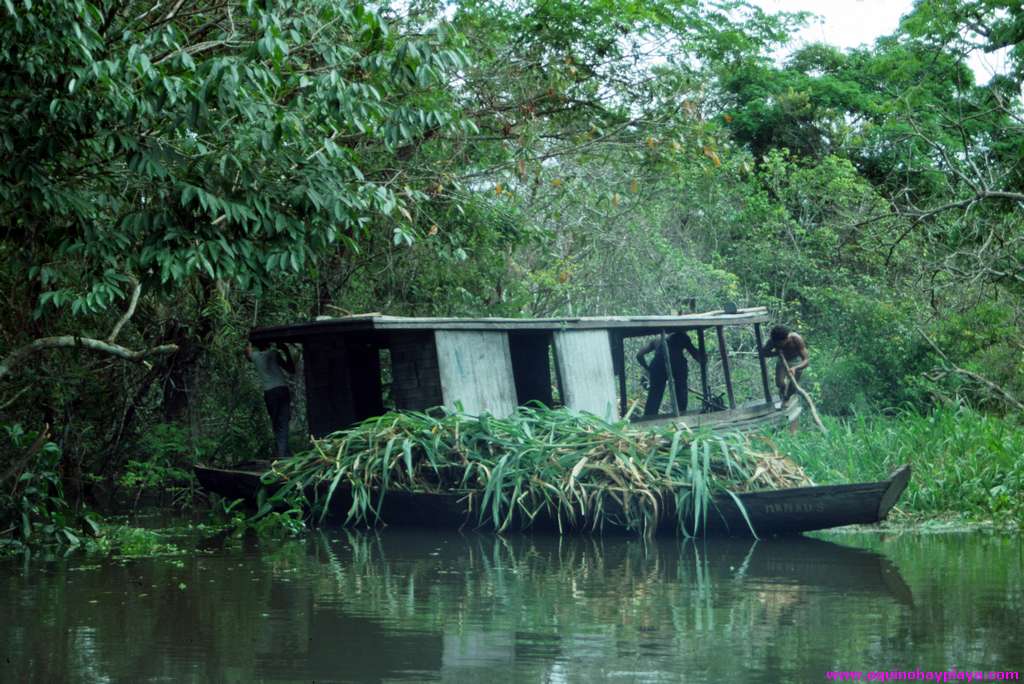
pixel 285 357
pixel 802 348
pixel 694 352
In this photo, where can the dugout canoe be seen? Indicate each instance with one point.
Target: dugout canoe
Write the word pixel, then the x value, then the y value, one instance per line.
pixel 771 512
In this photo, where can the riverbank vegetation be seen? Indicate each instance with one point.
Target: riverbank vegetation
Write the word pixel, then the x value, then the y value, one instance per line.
pixel 965 462
pixel 172 177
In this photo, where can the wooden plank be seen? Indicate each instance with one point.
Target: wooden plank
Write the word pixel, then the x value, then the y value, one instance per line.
pixel 671 381
pixel 725 365
pixel 702 347
pixel 329 404
pixel 742 417
pixel 415 379
pixel 619 361
pixel 764 365
pixel 370 323
pixel 584 360
pixel 688 321
pixel 476 370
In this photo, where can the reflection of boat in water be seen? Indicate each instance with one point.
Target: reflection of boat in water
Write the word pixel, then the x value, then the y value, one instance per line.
pixel 813 563
pixel 799 561
pixel 457 607
pixel 782 511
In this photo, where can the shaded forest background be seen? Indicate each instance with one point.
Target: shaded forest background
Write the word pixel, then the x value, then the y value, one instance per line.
pixel 175 173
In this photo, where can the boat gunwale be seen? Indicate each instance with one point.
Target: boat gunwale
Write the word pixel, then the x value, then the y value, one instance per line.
pixel 898 478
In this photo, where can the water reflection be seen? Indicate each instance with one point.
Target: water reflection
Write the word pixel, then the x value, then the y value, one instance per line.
pixel 396 605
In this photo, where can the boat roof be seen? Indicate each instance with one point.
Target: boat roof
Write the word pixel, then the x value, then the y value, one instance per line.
pixel 375 322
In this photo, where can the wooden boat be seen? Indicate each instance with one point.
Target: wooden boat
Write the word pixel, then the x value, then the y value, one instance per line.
pixel 774 512
pixel 357 367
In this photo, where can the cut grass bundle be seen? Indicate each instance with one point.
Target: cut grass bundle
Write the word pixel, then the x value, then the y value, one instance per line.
pixel 576 468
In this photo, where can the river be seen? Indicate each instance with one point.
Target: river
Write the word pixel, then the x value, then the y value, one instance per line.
pixel 408 605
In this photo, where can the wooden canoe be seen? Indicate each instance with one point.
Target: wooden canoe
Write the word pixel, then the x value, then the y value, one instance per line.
pixel 771 512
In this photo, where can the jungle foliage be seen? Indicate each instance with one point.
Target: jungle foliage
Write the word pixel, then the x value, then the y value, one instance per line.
pixel 174 173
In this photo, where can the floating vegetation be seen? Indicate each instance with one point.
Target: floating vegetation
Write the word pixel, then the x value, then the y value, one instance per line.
pixel 575 468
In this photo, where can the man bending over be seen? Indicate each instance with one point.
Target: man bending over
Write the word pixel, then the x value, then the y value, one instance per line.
pixel 788 345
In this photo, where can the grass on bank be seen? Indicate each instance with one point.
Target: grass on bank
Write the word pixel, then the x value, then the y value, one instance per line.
pixel 963 462
pixel 575 468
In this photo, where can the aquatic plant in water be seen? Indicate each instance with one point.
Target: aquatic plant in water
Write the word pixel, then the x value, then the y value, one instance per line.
pixel 576 468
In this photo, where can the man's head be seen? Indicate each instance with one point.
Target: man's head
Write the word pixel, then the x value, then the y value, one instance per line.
pixel 262 346
pixel 779 334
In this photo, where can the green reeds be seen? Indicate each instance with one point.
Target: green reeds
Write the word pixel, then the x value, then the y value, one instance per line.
pixel 575 468
pixel 964 462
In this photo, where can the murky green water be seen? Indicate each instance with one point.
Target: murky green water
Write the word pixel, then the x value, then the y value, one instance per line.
pixel 427 606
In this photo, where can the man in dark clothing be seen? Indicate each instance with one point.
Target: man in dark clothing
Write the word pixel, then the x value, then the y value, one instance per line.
pixel 269 364
pixel 676 343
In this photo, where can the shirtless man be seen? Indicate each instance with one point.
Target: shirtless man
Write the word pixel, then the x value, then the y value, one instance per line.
pixel 788 345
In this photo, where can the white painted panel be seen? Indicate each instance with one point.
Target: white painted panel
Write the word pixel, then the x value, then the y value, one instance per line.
pixel 588 377
pixel 476 369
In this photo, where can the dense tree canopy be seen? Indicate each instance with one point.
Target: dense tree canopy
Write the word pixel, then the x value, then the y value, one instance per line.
pixel 174 173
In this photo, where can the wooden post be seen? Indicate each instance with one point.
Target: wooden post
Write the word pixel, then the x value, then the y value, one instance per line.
pixel 558 371
pixel 725 365
pixel 671 380
pixel 619 361
pixel 764 364
pixel 702 348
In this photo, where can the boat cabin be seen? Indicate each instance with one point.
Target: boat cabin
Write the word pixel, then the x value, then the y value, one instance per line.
pixel 356 367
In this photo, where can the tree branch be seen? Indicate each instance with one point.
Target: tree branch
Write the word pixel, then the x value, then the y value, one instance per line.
pixel 127 314
pixel 996 389
pixel 72 342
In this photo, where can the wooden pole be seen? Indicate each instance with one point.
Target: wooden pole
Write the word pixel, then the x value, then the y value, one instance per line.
pixel 671 380
pixel 702 347
pixel 558 370
pixel 725 365
pixel 764 364
pixel 619 359
pixel 805 395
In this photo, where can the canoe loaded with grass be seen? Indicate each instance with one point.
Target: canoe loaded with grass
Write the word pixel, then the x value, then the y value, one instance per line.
pixel 530 423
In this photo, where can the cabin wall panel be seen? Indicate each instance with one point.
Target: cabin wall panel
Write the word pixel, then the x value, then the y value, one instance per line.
pixel 415 378
pixel 329 404
pixel 476 370
pixel 584 360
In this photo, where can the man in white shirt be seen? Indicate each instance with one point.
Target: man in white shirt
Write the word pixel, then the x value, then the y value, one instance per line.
pixel 269 364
